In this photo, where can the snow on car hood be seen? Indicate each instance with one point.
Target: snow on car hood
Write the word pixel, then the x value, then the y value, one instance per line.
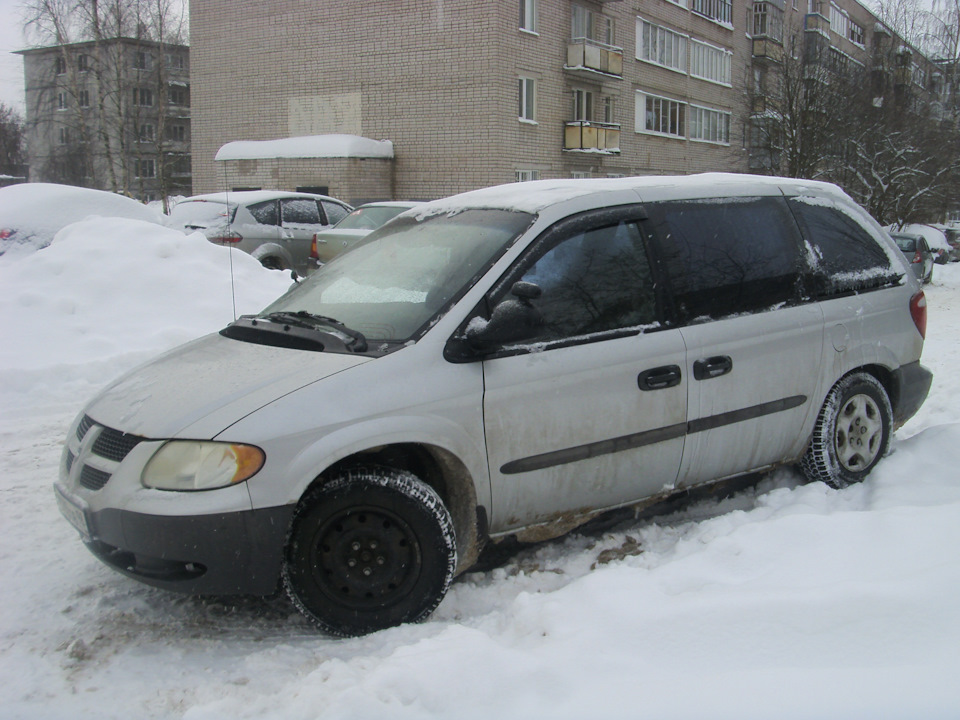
pixel 201 388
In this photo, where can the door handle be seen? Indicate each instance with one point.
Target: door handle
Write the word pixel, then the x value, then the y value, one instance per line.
pixel 660 378
pixel 712 367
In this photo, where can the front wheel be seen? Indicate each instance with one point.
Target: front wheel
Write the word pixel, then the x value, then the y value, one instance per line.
pixel 370 549
pixel 852 432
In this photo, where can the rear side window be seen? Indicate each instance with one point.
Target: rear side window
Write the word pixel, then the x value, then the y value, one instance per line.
pixel 265 213
pixel 844 257
pixel 727 256
pixel 300 211
pixel 335 213
pixel 593 280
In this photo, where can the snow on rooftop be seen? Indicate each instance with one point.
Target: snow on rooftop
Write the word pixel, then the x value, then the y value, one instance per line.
pixel 308 146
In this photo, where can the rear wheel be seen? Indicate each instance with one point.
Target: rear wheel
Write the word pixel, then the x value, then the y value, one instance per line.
pixel 852 432
pixel 272 263
pixel 370 549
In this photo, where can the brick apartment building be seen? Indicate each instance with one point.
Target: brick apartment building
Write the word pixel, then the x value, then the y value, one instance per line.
pixel 474 93
pixel 112 115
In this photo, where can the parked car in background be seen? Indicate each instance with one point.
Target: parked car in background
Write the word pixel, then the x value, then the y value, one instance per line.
pixel 32 213
pixel 936 238
pixel 327 244
pixel 918 254
pixel 275 227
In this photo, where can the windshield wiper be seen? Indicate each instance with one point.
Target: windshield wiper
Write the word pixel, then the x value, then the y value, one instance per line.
pixel 304 319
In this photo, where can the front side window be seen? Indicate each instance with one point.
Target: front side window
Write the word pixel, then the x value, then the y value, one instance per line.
pixel 592 280
pixel 528 98
pixel 300 211
pixel 728 256
pixel 660 115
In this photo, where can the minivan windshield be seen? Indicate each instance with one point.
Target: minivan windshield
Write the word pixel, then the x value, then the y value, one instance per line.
pixel 396 281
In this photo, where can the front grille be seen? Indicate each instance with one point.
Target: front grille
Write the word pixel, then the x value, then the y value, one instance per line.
pixel 93 479
pixel 84 426
pixel 115 445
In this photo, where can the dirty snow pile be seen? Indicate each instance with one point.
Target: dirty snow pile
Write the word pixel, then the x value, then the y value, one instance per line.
pixel 784 601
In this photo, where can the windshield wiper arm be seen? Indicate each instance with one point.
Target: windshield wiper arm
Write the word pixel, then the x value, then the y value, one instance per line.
pixel 302 318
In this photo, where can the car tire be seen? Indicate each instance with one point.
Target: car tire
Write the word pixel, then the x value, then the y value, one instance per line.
pixel 370 549
pixel 852 432
pixel 272 263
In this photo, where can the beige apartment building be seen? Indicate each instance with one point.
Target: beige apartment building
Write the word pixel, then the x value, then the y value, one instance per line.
pixel 474 93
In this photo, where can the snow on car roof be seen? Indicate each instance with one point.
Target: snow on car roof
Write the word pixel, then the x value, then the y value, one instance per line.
pixel 307 146
pixel 243 197
pixel 535 196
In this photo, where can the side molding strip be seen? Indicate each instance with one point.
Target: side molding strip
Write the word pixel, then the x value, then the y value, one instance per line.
pixel 648 437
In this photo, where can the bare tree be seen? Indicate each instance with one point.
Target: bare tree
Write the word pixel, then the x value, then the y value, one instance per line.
pixel 12 155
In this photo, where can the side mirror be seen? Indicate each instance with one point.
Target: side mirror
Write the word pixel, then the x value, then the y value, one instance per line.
pixel 514 319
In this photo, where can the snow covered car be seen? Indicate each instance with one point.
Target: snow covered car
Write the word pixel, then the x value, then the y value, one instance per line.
pixel 511 361
pixel 275 227
pixel 327 244
pixel 917 253
pixel 32 213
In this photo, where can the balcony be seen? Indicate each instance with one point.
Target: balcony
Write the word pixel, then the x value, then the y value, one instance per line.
pixel 815 22
pixel 767 49
pixel 589 58
pixel 592 137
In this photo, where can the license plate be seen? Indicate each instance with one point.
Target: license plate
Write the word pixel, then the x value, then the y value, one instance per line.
pixel 74 512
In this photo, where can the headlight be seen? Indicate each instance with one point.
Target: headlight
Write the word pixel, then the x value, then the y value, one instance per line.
pixel 194 465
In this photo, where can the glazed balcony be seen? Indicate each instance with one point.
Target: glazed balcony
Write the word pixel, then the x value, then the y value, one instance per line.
pixel 588 58
pixel 595 137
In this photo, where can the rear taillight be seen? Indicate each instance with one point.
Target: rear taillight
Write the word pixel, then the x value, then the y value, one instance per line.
pixel 313 248
pixel 918 258
pixel 918 311
pixel 5 233
pixel 227 238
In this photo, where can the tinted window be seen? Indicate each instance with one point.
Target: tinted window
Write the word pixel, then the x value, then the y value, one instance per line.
pixel 335 213
pixel 265 213
pixel 300 211
pixel 728 256
pixel 845 257
pixel 592 281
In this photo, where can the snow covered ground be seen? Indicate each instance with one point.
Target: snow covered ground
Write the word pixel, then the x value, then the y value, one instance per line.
pixel 784 601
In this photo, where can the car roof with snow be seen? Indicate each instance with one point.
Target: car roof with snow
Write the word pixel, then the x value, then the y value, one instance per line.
pixel 244 197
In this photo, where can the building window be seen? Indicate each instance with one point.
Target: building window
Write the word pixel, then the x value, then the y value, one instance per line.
pixel 590 25
pixel 144 167
pixel 83 98
pixel 660 115
pixel 711 63
pixel 588 107
pixel 60 65
pixel 528 99
pixel 709 125
pixel 528 15
pixel 64 138
pixel 178 95
pixel 719 10
pixel 83 63
pixel 661 46
pixel 142 61
pixel 61 101
pixel 143 97
pixel 174 61
pixel 580 174
pixel 767 21
pixel 176 133
pixel 527 175
pixel 145 132
pixel 180 165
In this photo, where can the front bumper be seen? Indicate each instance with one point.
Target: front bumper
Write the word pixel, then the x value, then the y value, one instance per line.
pixel 217 554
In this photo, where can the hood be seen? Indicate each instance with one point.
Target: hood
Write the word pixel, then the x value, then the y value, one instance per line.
pixel 201 388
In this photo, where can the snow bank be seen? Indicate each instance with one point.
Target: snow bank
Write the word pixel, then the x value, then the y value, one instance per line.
pixel 309 146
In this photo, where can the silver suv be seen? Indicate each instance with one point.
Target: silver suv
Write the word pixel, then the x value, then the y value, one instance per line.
pixel 506 362
pixel 275 227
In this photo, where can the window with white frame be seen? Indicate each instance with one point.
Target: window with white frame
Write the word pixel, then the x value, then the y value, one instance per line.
pixel 591 25
pixel 83 98
pixel 177 133
pixel 528 99
pixel 60 65
pixel 580 174
pixel 528 15
pixel 660 115
pixel 142 60
pixel 709 125
pixel 64 136
pixel 842 25
pixel 711 63
pixel 144 167
pixel 527 175
pixel 719 10
pixel 83 63
pixel 174 61
pixel 61 101
pixel 659 45
pixel 590 107
pixel 583 105
pixel 143 97
pixel 766 20
pixel 145 132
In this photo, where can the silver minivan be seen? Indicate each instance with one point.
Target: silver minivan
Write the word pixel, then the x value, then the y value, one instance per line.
pixel 511 361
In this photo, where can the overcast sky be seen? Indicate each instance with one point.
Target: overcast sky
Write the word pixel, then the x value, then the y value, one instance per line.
pixel 11 66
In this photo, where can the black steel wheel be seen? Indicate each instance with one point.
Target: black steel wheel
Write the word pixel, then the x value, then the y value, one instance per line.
pixel 370 549
pixel 852 432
